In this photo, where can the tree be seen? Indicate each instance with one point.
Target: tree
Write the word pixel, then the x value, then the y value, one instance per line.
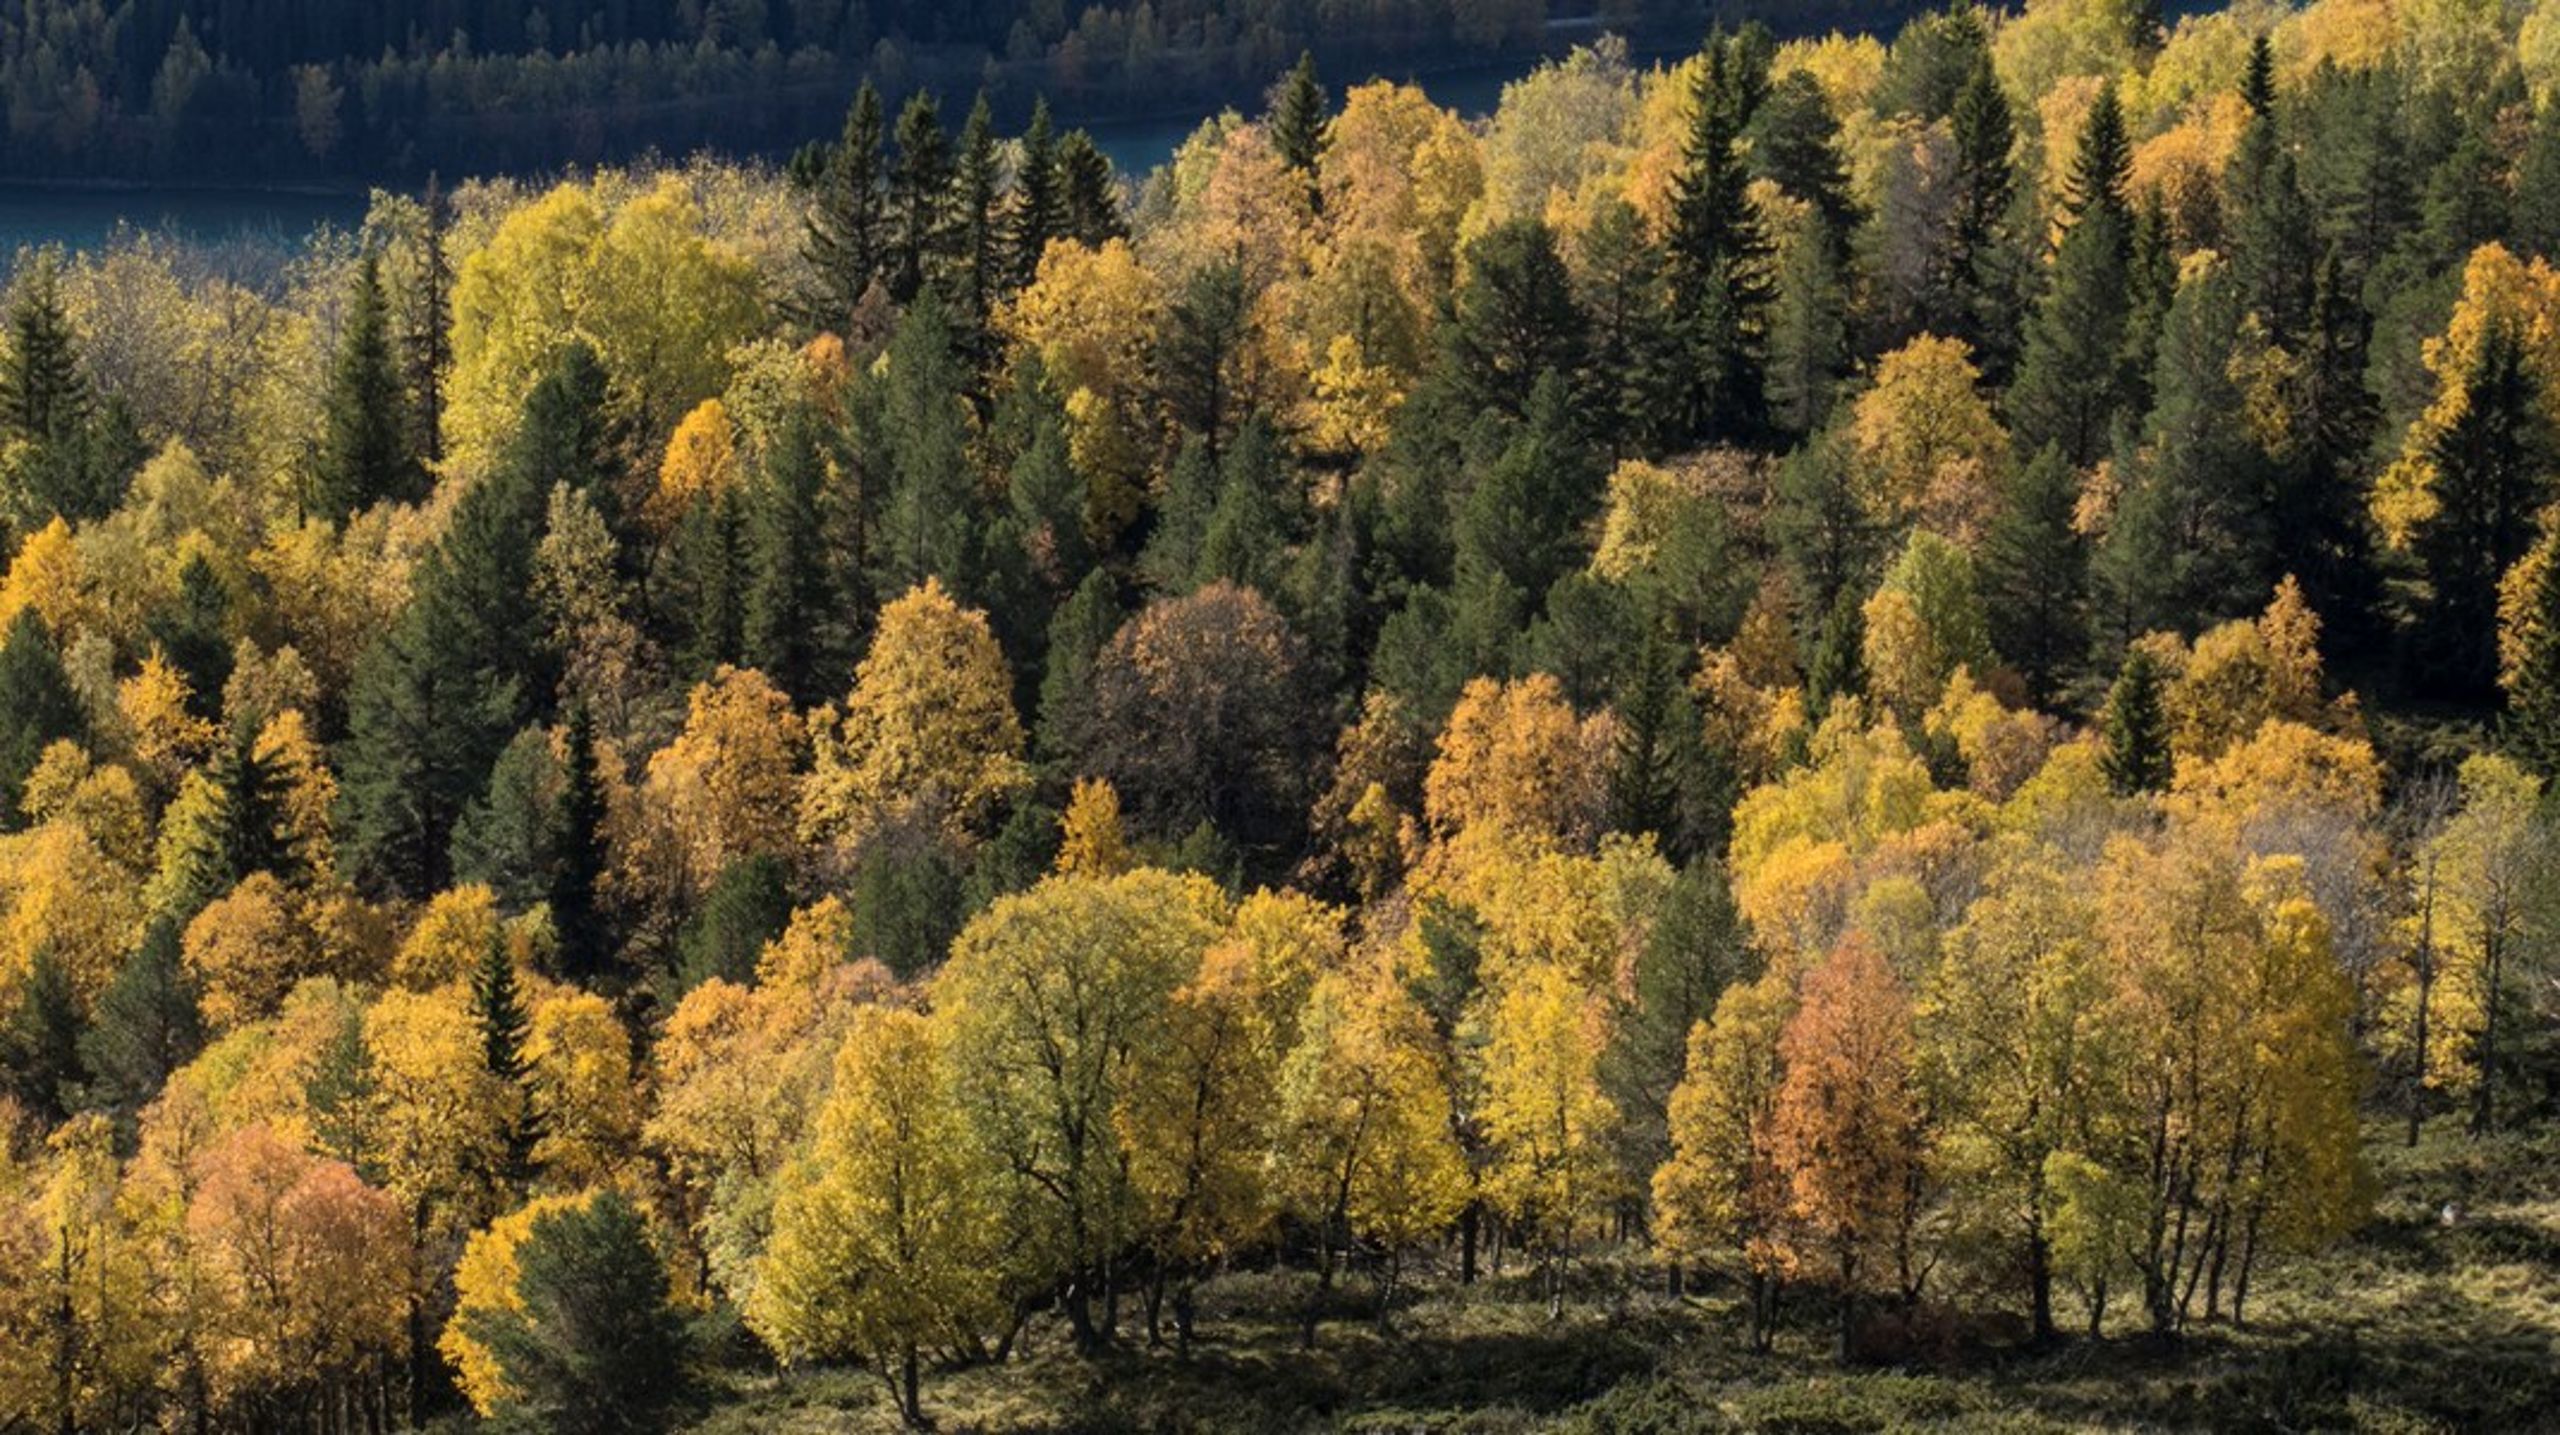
pixel 365 455
pixel 924 524
pixel 784 616
pixel 2034 569
pixel 1089 192
pixel 1977 248
pixel 978 272
pixel 592 1343
pixel 1039 198
pixel 577 873
pixel 2491 479
pixel 1549 1126
pixel 928 731
pixel 1298 117
pixel 919 198
pixel 2136 729
pixel 37 707
pixel 1846 1127
pixel 146 1025
pixel 1719 254
pixel 885 1239
pixel 1516 322
pixel 847 237
pixel 1722 1188
pixel 497 1005
pixel 2071 380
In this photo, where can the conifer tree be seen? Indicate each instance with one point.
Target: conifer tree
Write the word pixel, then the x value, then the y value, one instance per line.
pixel 2537 208
pixel 365 457
pixel 578 873
pixel 1298 117
pixel 2258 80
pixel 705 587
pixel 1795 143
pixel 147 1023
pixel 1515 322
pixel 37 707
pixel 1719 256
pixel 2071 384
pixel 426 338
pixel 919 198
pixel 847 236
pixel 1976 307
pixel 1809 342
pixel 2034 569
pixel 193 634
pixel 2136 730
pixel 255 837
pixel 498 1010
pixel 783 617
pixel 44 397
pixel 40 1046
pixel 1039 196
pixel 506 837
pixel 978 264
pixel 1088 191
pixel 2492 477
pixel 925 524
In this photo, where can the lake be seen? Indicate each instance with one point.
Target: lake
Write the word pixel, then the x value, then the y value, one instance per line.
pixel 80 218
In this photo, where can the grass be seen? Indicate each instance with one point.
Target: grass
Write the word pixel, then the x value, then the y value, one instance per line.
pixel 2415 1324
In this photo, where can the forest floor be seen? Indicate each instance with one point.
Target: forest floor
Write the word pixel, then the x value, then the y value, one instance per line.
pixel 2418 1323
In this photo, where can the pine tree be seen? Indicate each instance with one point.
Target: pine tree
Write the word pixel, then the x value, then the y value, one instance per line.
pixel 783 619
pixel 1089 193
pixel 2258 81
pixel 1719 257
pixel 1297 121
pixel 498 1010
pixel 847 238
pixel 2533 690
pixel 37 707
pixel 1975 302
pixel 1524 517
pixel 590 1343
pixel 1206 335
pixel 1796 145
pixel 44 398
pixel 2035 575
pixel 979 267
pixel 578 873
pixel 919 198
pixel 1039 196
pixel 2492 477
pixel 2136 730
pixel 255 837
pixel 1837 667
pixel 2071 383
pixel 426 346
pixel 508 836
pixel 40 1047
pixel 147 1023
pixel 705 586
pixel 1632 358
pixel 926 521
pixel 1809 343
pixel 365 456
pixel 2537 211
pixel 193 634
pixel 1655 774
pixel 1515 323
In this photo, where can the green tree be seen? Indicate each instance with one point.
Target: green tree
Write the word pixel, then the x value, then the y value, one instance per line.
pixel 919 198
pixel 2034 572
pixel 1089 193
pixel 748 905
pixel 1979 251
pixel 1720 254
pixel 847 228
pixel 785 616
pixel 193 632
pixel 498 1011
pixel 1039 196
pixel 2537 209
pixel 2136 728
pixel 40 1046
pixel 1795 143
pixel 703 592
pixel 2492 477
pixel 2071 382
pixel 146 1025
pixel 592 1346
pixel 365 455
pixel 926 521
pixel 577 874
pixel 1298 107
pixel 978 269
pixel 507 838
pixel 1515 321
pixel 37 707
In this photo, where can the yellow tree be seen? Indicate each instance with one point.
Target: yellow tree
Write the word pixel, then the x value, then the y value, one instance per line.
pixel 484 1282
pixel 884 1241
pixel 1366 1144
pixel 586 1099
pixel 1515 755
pixel 701 462
pixel 1927 449
pixel 1055 999
pixel 1091 843
pixel 1547 1121
pixel 727 784
pixel 1723 1192
pixel 927 733
pixel 1092 315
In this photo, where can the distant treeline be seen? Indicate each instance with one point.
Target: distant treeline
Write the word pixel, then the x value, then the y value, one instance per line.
pixel 276 90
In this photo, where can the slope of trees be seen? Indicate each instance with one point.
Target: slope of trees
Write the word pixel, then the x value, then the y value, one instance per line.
pixel 1916 682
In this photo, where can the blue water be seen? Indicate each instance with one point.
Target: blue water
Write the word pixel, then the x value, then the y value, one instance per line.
pixel 38 215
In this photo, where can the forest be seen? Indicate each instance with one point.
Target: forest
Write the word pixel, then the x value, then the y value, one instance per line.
pixel 1843 734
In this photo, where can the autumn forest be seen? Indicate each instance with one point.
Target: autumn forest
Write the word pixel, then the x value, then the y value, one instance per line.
pixel 1841 733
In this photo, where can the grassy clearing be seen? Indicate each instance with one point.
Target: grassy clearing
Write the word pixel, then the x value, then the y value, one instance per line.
pixel 2417 1324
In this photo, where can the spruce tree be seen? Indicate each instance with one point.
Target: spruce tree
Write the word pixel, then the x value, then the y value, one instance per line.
pixel 40 1047
pixel 1298 118
pixel 37 707
pixel 2258 80
pixel 193 633
pixel 926 521
pixel 1654 775
pixel 978 261
pixel 498 1009
pixel 1719 257
pixel 365 457
pixel 1524 518
pixel 1974 306
pixel 2492 478
pixel 255 837
pixel 2136 729
pixel 848 227
pixel 508 836
pixel 919 198
pixel 426 343
pixel 2537 209
pixel 1515 322
pixel 2034 571
pixel 783 618
pixel 590 1345
pixel 1633 359
pixel 1837 666
pixel 147 1023
pixel 44 398
pixel 1077 635
pixel 747 906
pixel 2533 690
pixel 704 590
pixel 577 873
pixel 1039 196
pixel 1207 333
pixel 2071 383
pixel 1089 193
pixel 1809 341
pixel 1795 144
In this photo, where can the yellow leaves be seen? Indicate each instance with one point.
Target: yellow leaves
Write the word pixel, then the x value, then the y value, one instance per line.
pixel 818 940
pixel 167 737
pixel 246 950
pixel 928 733
pixel 1644 502
pixel 1364 1120
pixel 1544 1113
pixel 1091 315
pixel 484 1283
pixel 1927 447
pixel 1249 208
pixel 2498 289
pixel 434 1118
pixel 586 1101
pixel 2519 624
pixel 2184 164
pixel 1092 845
pixel 46 576
pixel 729 782
pixel 1721 1188
pixel 1514 755
pixel 701 463
pixel 2243 674
pixel 60 892
pixel 452 937
pixel 1355 401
